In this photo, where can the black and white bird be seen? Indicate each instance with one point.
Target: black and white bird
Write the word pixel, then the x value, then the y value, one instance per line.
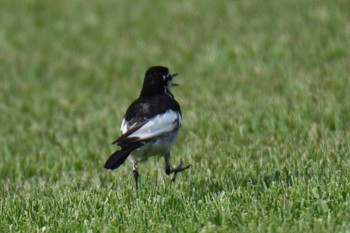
pixel 150 125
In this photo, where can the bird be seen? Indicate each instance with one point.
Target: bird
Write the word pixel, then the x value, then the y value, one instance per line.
pixel 150 125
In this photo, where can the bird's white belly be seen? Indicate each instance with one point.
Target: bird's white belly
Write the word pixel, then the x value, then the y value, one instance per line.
pixel 158 146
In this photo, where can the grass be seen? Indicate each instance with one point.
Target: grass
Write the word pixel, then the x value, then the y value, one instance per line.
pixel 265 100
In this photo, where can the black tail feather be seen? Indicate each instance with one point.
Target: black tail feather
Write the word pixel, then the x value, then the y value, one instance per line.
pixel 119 157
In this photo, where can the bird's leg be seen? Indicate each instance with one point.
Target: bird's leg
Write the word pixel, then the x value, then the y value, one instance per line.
pixel 136 176
pixel 169 170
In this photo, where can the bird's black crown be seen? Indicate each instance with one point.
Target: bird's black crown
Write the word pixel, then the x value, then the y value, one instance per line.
pixel 157 70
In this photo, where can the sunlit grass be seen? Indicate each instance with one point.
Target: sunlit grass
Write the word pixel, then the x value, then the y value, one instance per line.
pixel 264 91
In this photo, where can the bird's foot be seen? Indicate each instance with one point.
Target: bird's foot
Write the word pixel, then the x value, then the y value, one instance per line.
pixel 176 170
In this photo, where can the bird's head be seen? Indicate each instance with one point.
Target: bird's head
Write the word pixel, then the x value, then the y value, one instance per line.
pixel 158 80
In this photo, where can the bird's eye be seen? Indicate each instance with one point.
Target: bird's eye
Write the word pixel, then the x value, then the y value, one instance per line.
pixel 167 78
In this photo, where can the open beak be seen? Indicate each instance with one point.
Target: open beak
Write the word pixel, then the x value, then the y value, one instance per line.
pixel 174 84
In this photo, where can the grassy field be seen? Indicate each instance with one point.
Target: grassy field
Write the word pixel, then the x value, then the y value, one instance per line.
pixel 265 95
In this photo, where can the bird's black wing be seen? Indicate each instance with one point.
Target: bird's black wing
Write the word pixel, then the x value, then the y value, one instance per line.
pixel 149 117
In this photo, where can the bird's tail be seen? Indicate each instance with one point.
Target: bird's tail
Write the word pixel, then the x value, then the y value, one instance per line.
pixel 119 157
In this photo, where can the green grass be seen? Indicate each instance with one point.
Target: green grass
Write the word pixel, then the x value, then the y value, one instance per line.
pixel 265 95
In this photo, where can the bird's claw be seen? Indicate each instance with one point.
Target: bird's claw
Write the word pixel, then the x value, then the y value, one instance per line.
pixel 178 169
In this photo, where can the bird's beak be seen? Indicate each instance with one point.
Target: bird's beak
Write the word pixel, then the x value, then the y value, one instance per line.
pixel 174 84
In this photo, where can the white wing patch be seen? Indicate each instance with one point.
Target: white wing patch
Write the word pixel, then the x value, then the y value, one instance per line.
pixel 124 126
pixel 158 125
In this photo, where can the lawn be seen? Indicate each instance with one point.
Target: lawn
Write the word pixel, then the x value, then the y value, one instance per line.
pixel 265 95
